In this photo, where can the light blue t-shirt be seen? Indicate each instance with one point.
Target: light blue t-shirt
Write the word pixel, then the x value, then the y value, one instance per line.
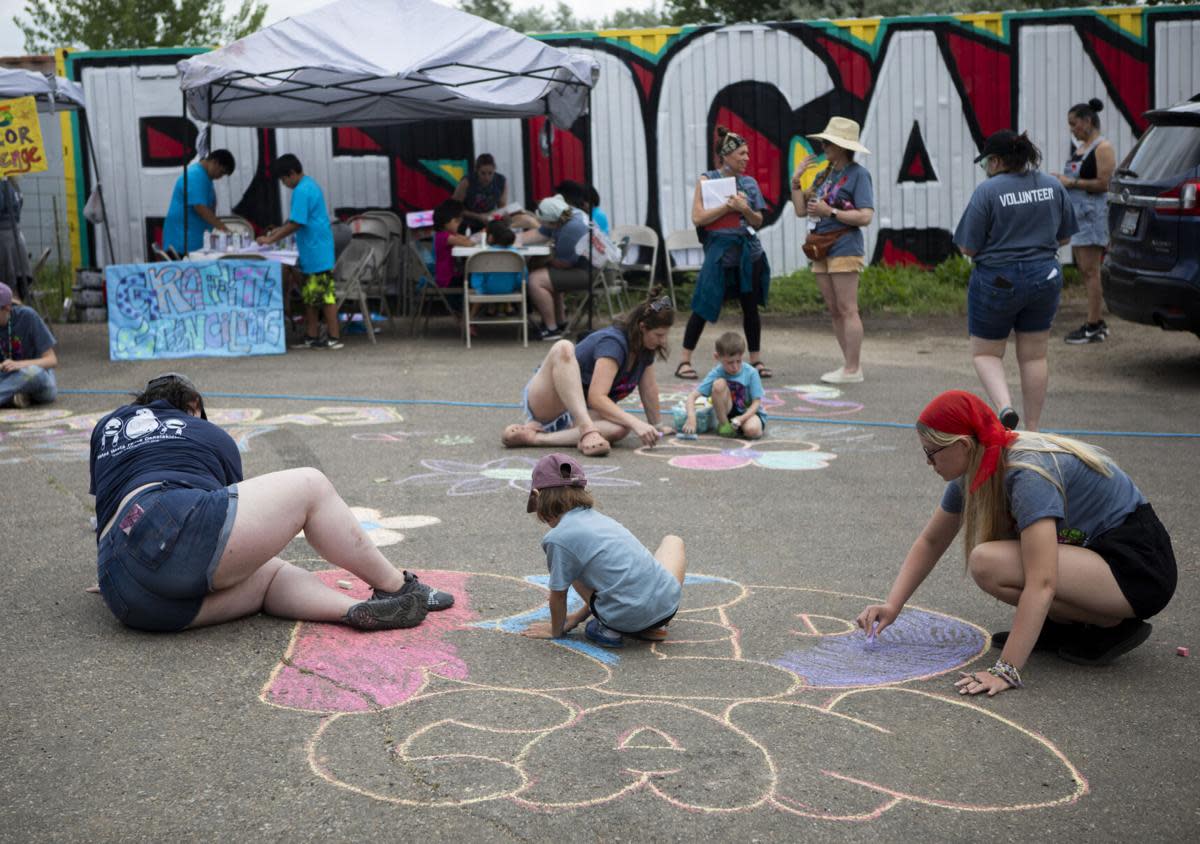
pixel 200 191
pixel 314 238
pixel 744 388
pixel 493 284
pixel 600 218
pixel 849 190
pixel 633 590
pixel 1093 506
pixel 1016 217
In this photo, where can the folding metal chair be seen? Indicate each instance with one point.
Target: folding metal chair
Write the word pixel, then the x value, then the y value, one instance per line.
pixel 684 254
pixel 419 279
pixel 638 241
pixel 237 225
pixel 376 235
pixel 495 261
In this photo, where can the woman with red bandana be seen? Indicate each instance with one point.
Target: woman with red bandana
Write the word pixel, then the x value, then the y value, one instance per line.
pixel 1053 527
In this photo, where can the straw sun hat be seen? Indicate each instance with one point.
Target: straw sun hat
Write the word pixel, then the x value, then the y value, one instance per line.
pixel 842 132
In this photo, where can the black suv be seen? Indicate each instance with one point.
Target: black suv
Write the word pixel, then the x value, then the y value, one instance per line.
pixel 1151 273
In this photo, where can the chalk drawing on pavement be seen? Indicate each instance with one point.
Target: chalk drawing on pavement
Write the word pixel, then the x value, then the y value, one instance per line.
pixel 462 478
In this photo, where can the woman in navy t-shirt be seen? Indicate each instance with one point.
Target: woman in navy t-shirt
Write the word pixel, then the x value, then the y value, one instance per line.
pixel 572 397
pixel 1053 527
pixel 185 541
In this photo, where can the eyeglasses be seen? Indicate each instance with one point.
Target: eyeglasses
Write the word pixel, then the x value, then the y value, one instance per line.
pixel 662 304
pixel 930 452
pixel 180 379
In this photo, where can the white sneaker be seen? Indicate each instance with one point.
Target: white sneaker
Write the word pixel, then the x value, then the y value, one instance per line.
pixel 840 376
pixel 21 400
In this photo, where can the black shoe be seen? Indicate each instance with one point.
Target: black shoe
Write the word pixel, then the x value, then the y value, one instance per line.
pixel 1008 418
pixel 1101 645
pixel 1054 635
pixel 435 599
pixel 388 613
pixel 550 335
pixel 1089 332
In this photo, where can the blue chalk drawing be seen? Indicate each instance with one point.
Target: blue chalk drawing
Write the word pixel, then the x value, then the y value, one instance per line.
pixel 918 644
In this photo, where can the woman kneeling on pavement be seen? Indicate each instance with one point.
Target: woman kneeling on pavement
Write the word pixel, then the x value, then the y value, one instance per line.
pixel 572 397
pixel 185 542
pixel 1053 527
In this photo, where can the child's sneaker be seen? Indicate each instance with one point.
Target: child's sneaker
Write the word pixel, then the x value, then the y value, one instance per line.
pixel 435 599
pixel 326 343
pixel 603 636
pixel 388 613
pixel 22 400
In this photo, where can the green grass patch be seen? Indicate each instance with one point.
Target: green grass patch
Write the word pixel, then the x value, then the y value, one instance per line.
pixel 50 285
pixel 906 291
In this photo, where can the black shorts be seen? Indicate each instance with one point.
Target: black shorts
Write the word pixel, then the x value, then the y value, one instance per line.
pixel 1141 558
pixel 654 626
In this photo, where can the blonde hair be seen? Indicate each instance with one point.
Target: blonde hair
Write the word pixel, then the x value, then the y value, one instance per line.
pixel 986 514
pixel 554 501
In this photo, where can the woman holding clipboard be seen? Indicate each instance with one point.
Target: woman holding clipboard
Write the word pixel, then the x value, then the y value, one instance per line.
pixel 726 211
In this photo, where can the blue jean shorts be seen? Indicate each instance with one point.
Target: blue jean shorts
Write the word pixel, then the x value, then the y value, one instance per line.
pixel 562 422
pixel 1021 296
pixel 157 561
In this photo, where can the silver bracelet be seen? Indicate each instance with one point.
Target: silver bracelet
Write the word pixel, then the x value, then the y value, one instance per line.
pixel 1007 672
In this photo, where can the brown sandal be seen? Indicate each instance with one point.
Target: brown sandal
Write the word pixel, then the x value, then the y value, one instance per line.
pixel 688 374
pixel 764 371
pixel 593 450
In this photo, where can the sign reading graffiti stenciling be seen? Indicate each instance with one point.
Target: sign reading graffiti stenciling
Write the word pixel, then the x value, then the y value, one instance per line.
pixel 192 309
pixel 21 147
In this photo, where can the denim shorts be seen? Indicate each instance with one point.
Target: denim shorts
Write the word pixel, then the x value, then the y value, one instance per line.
pixel 156 562
pixel 1091 213
pixel 562 422
pixel 1021 296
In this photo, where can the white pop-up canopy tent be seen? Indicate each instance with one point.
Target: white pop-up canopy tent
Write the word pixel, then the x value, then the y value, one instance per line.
pixel 380 62
pixel 53 93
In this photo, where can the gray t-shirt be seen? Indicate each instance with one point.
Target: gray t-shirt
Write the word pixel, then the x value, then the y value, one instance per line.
pixel 849 190
pixel 567 236
pixel 633 590
pixel 1016 217
pixel 1094 504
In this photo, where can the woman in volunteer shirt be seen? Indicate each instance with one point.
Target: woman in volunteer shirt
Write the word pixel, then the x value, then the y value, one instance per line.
pixel 572 397
pixel 840 202
pixel 734 260
pixel 1053 527
pixel 1011 230
pixel 185 541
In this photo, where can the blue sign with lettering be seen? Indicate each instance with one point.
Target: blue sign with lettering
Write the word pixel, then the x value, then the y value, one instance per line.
pixel 188 309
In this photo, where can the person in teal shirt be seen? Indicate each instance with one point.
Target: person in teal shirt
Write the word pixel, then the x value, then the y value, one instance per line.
pixel 202 203
pixel 308 219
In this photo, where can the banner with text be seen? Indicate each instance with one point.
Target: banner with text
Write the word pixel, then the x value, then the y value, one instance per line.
pixel 21 148
pixel 190 309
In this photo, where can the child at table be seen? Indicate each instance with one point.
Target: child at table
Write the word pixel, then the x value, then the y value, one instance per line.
pixel 499 236
pixel 629 590
pixel 736 390
pixel 447 217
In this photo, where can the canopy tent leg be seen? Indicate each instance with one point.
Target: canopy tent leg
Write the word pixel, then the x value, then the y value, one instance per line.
pixel 91 151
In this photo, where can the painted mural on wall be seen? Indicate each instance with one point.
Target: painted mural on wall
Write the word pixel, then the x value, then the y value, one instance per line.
pixel 927 91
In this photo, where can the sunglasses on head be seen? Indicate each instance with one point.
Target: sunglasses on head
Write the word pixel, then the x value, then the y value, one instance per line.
pixel 182 380
pixel 662 304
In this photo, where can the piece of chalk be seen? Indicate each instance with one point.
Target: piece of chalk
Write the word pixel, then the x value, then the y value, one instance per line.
pixel 345 584
pixel 1182 652
pixel 683 436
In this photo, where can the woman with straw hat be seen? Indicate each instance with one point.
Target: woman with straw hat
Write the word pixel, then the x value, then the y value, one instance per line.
pixel 838 205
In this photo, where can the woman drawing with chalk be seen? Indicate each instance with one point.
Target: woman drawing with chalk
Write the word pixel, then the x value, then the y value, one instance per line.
pixel 1053 527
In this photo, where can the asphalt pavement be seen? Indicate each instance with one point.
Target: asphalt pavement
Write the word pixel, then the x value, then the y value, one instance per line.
pixel 763 717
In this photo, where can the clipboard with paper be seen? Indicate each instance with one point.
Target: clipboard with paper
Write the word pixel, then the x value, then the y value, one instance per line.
pixel 713 194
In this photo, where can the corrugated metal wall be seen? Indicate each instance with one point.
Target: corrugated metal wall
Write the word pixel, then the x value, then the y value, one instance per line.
pixel 945 82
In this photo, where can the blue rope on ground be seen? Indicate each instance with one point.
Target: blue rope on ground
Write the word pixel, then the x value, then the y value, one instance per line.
pixel 1070 432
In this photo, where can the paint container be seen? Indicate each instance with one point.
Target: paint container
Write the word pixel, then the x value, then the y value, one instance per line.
pixel 220 241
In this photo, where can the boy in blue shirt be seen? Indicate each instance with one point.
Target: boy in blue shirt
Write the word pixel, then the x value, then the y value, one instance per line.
pixel 309 221
pixel 629 590
pixel 27 357
pixel 202 202
pixel 499 236
pixel 736 390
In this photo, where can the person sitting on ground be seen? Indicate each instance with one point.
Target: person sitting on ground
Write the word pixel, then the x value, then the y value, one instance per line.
pixel 308 219
pixel 736 391
pixel 27 356
pixel 630 591
pixel 576 383
pixel 1053 527
pixel 202 203
pixel 184 541
pixel 564 227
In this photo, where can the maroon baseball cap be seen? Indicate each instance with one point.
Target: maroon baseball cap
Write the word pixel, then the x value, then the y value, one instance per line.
pixel 5 294
pixel 554 470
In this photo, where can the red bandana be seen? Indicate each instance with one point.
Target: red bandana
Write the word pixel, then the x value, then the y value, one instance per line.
pixel 965 414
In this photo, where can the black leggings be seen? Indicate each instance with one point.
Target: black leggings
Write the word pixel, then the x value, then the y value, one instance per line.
pixel 751 322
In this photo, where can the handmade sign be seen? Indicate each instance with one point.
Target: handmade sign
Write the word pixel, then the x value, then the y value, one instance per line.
pixel 188 309
pixel 21 147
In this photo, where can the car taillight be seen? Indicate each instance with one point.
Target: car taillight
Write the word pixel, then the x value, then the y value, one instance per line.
pixel 1186 194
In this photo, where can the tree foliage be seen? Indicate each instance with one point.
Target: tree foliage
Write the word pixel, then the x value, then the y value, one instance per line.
pixel 126 24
